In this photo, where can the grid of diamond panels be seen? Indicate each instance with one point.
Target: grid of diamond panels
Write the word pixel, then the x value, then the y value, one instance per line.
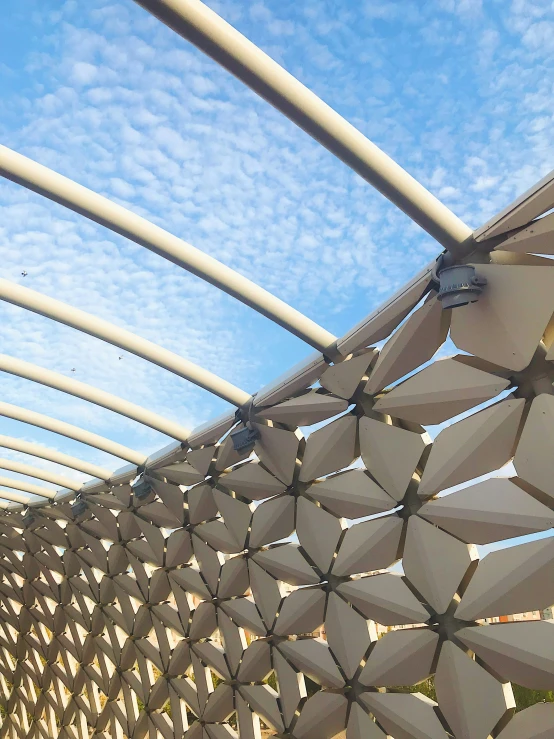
pixel 249 591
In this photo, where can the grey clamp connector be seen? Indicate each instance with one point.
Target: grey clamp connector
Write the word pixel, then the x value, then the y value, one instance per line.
pixel 244 438
pixel 142 487
pixel 459 284
pixel 28 518
pixel 79 506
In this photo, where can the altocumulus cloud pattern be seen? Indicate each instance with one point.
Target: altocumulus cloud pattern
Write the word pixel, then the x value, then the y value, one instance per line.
pixel 181 595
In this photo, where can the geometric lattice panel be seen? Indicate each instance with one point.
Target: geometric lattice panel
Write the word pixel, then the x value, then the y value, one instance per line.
pixel 296 586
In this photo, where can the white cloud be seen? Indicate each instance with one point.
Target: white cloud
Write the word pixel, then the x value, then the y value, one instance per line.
pixel 540 36
pixel 463 8
pixel 83 73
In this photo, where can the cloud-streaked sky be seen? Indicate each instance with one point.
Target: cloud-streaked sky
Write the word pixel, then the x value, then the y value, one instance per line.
pixel 459 92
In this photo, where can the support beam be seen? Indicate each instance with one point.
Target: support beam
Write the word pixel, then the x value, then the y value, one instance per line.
pixel 71 432
pixel 37 450
pixel 14 498
pixel 113 403
pixel 386 317
pixel 27 487
pixel 30 471
pixel 101 329
pixel 62 190
pixel 196 23
pixel 5 505
pixel 534 202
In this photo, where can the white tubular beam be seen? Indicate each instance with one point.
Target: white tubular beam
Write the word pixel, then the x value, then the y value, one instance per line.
pixel 62 190
pixel 196 23
pixel 27 487
pixel 36 450
pixel 14 497
pixel 27 469
pixel 93 395
pixel 63 313
pixel 71 432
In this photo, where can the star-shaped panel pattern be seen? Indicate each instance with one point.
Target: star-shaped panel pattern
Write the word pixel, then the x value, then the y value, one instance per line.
pixel 291 588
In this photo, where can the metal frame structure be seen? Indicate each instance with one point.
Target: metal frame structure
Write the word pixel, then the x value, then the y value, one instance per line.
pixel 58 311
pixel 101 210
pixel 51 455
pixel 196 23
pixel 71 432
pixel 55 380
pixel 168 599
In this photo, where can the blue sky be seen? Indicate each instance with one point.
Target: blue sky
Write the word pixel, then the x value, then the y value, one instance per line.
pixel 457 91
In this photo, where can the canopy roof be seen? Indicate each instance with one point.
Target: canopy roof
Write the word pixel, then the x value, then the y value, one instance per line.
pixel 181 593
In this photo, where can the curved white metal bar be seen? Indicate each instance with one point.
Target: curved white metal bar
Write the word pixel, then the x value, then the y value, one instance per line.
pixel 71 432
pixel 27 487
pixel 80 199
pixel 196 23
pixel 37 450
pixel 88 392
pixel 101 329
pixel 30 471
pixel 14 498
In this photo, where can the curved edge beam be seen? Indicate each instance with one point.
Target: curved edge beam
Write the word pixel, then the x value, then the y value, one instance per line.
pixel 27 487
pixel 379 324
pixel 42 452
pixel 198 24
pixel 55 380
pixel 530 204
pixel 23 500
pixel 27 469
pixel 101 329
pixel 87 203
pixel 71 432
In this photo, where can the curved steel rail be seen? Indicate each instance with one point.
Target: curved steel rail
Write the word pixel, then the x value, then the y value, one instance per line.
pixel 56 380
pixel 27 487
pixel 101 329
pixel 12 497
pixel 30 471
pixel 196 23
pixel 42 452
pixel 80 199
pixel 71 432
